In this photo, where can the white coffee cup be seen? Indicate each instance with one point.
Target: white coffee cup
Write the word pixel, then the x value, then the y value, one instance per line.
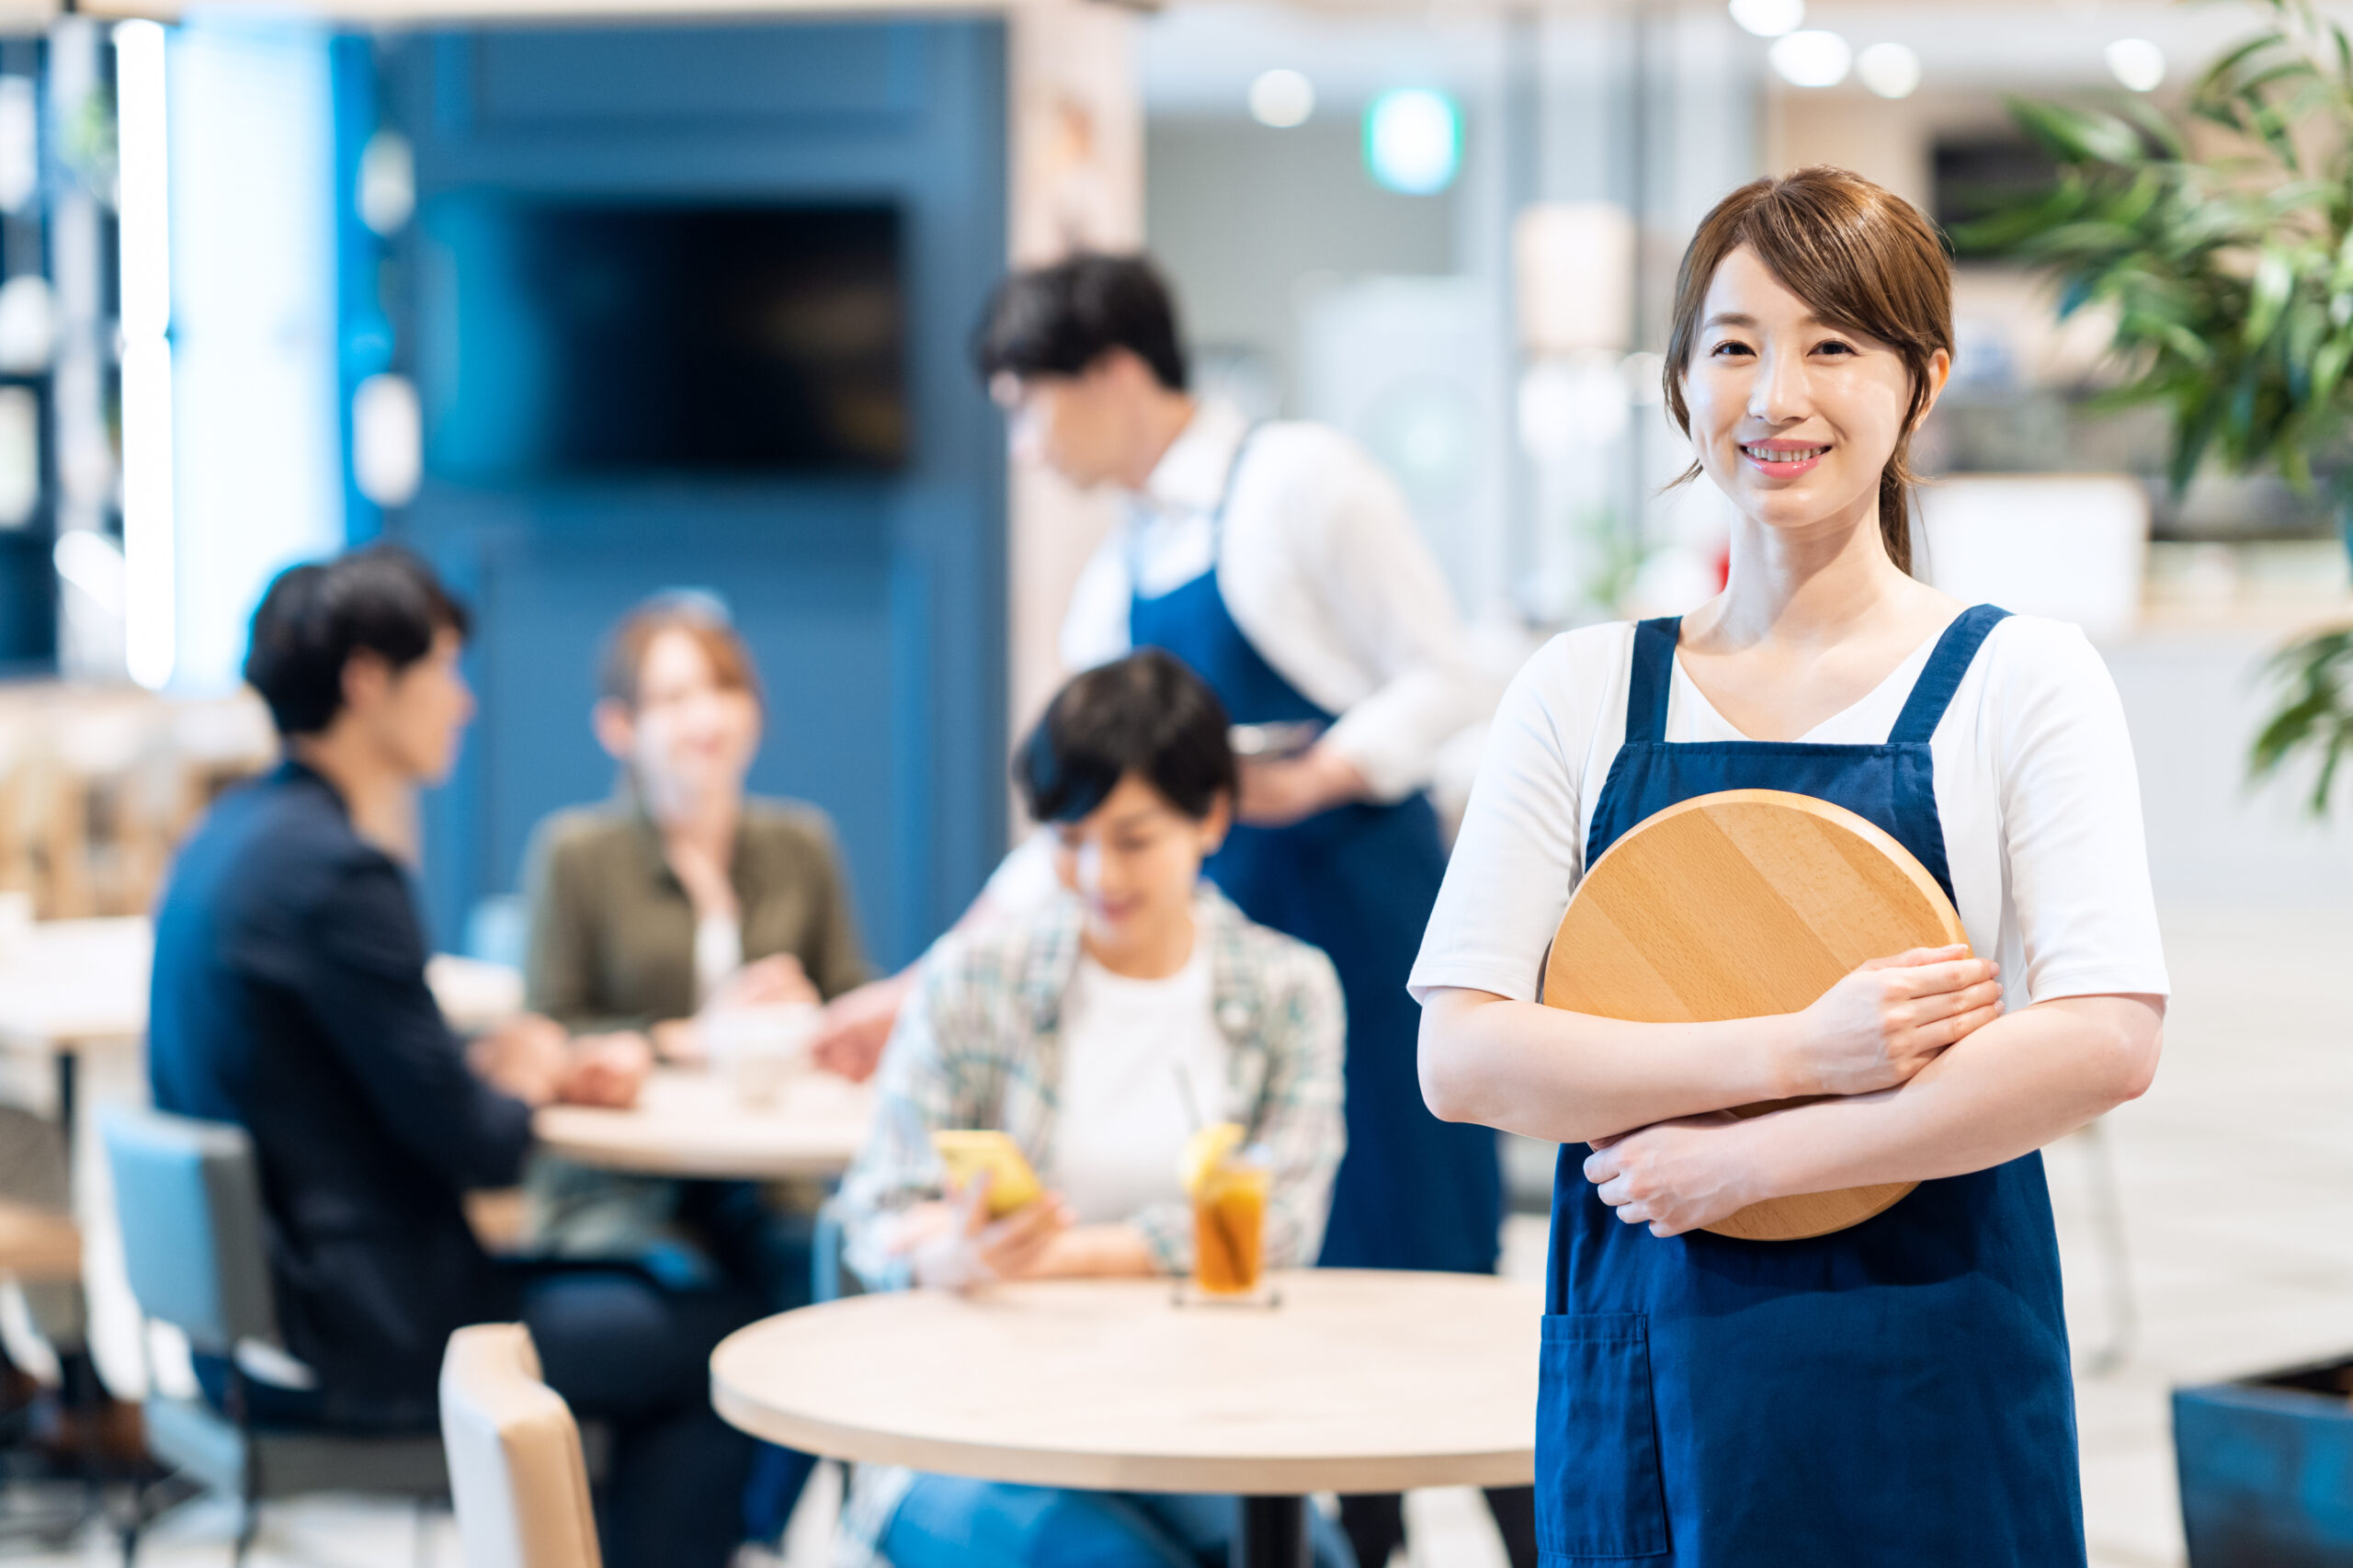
pixel 758 1047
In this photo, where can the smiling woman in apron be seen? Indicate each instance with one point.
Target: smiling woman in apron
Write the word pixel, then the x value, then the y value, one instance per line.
pixel 1897 1392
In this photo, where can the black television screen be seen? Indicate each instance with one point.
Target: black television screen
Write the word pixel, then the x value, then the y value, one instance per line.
pixel 579 340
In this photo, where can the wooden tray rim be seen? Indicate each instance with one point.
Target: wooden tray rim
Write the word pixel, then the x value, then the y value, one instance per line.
pixel 1813 805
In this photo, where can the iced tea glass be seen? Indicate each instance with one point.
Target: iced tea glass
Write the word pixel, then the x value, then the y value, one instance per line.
pixel 1230 1224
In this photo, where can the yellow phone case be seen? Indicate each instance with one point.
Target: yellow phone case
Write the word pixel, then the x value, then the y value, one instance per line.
pixel 1012 1183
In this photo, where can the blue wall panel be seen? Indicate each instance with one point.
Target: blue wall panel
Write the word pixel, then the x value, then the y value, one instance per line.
pixel 875 605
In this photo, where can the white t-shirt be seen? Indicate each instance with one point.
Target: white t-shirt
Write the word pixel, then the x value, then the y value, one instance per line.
pixel 2035 788
pixel 718 953
pixel 1121 1118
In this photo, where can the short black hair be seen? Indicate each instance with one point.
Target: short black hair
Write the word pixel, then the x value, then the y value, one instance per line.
pixel 1147 714
pixel 1058 319
pixel 315 616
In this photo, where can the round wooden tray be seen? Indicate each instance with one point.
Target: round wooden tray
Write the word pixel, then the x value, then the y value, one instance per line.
pixel 1743 904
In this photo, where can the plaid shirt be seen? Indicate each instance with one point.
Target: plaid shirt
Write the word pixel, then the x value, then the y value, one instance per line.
pixel 980 1045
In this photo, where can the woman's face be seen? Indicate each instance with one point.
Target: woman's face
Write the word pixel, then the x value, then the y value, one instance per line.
pixel 1793 419
pixel 1133 862
pixel 689 736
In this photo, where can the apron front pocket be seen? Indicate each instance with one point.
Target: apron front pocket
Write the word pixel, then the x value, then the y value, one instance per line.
pixel 1597 1491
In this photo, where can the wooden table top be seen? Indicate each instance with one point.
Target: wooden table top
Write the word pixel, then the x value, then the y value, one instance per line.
pixel 1362 1380
pixel 69 983
pixel 73 984
pixel 693 1124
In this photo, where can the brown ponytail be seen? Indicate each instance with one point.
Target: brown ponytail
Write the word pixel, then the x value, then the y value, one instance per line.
pixel 1862 258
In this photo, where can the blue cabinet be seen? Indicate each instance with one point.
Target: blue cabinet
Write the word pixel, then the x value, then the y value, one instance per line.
pixel 874 600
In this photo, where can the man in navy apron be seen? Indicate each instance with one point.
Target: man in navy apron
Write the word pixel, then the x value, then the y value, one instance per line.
pixel 1282 565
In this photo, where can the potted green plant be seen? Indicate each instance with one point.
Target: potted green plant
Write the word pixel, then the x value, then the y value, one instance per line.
pixel 2223 244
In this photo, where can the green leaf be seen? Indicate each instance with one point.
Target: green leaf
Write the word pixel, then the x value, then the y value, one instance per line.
pixel 2274 277
pixel 2329 366
pixel 2078 135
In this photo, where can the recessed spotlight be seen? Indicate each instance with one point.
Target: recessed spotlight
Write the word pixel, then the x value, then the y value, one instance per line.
pixel 1770 19
pixel 2137 63
pixel 1812 59
pixel 1281 98
pixel 1889 69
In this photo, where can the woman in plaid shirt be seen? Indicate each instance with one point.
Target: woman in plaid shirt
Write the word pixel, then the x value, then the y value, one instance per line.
pixel 1081 1029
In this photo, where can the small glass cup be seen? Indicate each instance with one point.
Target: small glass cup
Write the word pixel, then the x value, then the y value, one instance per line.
pixel 1230 1225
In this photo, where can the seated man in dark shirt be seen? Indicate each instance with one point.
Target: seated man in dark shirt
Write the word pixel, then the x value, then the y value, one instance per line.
pixel 290 998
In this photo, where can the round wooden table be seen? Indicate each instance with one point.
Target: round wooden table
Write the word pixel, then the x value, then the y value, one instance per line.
pixel 693 1124
pixel 1362 1380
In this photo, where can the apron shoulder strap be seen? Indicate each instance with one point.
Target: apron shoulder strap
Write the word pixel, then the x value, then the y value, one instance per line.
pixel 1955 650
pixel 1654 673
pixel 1131 521
pixel 1233 472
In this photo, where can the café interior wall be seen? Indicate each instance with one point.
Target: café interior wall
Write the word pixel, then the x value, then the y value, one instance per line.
pixel 1244 216
pixel 875 602
pixel 1263 230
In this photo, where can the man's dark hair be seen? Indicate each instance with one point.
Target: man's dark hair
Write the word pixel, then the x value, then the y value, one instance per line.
pixel 317 616
pixel 1146 714
pixel 1058 319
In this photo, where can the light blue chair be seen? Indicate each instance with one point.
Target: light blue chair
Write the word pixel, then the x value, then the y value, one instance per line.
pixel 188 1196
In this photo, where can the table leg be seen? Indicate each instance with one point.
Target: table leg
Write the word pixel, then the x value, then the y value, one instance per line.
pixel 66 1094
pixel 1274 1534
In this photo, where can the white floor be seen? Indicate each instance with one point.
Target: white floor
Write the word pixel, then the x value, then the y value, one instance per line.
pixel 2236 1172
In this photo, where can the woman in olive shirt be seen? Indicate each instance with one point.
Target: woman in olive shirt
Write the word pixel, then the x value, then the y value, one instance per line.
pixel 680 897
pixel 682 893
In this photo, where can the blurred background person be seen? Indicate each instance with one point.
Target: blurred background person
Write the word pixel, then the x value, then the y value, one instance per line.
pixel 683 896
pixel 290 998
pixel 1075 1026
pixel 679 902
pixel 1282 563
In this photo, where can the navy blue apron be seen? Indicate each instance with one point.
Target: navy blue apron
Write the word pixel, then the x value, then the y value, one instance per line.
pixel 1357 881
pixel 1897 1393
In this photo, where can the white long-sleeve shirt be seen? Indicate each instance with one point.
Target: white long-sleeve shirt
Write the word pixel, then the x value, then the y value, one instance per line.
pixel 1323 570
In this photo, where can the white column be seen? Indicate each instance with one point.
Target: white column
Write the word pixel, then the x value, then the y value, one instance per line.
pixel 1077 158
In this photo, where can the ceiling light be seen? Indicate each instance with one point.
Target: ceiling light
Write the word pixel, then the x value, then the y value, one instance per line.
pixel 1281 98
pixel 1812 59
pixel 2138 63
pixel 1412 141
pixel 1889 69
pixel 1769 18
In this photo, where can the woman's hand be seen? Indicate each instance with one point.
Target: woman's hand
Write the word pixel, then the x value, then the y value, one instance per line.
pixel 856 1025
pixel 1675 1177
pixel 954 1245
pixel 777 980
pixel 1888 1019
pixel 1113 1251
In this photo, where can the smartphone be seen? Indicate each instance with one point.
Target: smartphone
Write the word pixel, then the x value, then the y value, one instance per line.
pixel 1012 1183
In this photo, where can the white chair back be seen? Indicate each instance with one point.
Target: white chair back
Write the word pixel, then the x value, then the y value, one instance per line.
pixel 517 1480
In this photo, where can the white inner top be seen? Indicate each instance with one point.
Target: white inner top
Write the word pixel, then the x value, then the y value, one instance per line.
pixel 2035 788
pixel 1122 1120
pixel 719 952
